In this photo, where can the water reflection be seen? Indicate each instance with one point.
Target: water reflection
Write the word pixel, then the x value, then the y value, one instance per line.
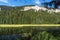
pixel 10 37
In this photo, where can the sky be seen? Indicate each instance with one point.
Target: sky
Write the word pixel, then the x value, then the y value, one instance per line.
pixel 21 2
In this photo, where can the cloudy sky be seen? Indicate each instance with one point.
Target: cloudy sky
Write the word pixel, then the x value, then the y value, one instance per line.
pixel 21 2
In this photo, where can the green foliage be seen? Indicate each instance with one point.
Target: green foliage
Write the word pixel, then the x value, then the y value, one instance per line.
pixel 32 33
pixel 14 15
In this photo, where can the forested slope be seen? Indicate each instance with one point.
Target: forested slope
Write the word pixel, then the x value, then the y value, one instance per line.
pixel 14 15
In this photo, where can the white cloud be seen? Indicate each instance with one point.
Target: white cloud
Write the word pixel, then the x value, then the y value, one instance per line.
pixel 5 1
pixel 13 5
pixel 37 1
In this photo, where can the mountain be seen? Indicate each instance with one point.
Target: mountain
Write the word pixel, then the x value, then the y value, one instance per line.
pixel 36 8
pixel 18 15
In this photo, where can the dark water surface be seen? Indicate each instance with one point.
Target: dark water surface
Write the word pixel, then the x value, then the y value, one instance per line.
pixel 10 37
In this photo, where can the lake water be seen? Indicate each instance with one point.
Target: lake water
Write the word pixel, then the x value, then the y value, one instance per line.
pixel 10 37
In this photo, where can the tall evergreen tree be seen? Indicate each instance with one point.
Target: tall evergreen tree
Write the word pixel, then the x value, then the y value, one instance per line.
pixel 56 3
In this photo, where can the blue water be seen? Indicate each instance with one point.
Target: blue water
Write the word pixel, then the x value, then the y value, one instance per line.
pixel 10 37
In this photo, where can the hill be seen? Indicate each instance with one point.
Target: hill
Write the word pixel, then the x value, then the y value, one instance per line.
pixel 14 15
